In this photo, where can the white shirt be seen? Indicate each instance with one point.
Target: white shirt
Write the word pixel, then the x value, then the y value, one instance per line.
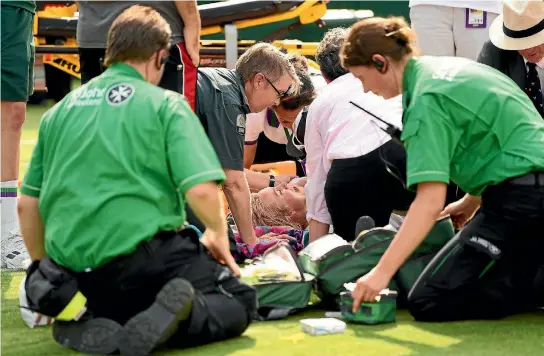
pixel 267 123
pixel 336 129
pixel 494 6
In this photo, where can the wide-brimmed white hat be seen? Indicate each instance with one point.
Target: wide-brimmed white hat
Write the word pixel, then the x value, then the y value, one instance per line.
pixel 520 26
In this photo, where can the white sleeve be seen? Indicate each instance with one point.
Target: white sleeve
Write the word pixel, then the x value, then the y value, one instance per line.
pixel 316 205
pixel 254 126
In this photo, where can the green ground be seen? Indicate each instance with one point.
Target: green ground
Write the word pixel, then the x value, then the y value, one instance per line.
pixel 520 335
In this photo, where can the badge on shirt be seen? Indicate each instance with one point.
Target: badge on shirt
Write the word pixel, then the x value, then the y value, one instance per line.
pixel 241 124
pixel 476 18
pixel 119 93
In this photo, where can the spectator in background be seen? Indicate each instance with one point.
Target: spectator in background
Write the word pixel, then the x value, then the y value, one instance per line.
pixel 17 85
pixel 452 27
pixel 96 17
pixel 516 47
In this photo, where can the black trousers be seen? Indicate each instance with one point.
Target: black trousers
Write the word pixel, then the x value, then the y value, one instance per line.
pixel 362 186
pixel 490 269
pixel 179 72
pixel 223 307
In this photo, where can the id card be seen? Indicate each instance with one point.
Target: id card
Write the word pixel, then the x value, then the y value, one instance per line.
pixel 476 18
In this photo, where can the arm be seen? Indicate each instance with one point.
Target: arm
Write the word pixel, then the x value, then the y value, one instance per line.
pixel 249 154
pixel 32 228
pixel 188 10
pixel 317 212
pixel 207 204
pixel 237 192
pixel 257 180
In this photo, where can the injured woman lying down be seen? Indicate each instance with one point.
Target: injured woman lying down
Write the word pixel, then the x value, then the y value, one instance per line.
pixel 279 215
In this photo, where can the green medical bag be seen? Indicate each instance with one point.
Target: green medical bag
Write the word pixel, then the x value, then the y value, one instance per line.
pixel 379 312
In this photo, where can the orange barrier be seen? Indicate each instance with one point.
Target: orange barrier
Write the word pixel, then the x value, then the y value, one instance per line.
pixel 276 168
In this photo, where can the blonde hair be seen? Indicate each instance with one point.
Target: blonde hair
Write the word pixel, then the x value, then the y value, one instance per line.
pixel 270 214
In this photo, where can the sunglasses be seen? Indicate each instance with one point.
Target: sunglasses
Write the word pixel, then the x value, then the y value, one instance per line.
pixel 281 95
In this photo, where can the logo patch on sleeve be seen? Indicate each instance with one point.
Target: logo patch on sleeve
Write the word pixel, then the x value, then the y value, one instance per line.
pixel 241 124
pixel 119 93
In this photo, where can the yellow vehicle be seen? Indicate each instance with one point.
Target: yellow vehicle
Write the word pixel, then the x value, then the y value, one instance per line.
pixel 56 23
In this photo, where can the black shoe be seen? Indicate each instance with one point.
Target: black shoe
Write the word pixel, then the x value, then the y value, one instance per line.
pixel 92 336
pixel 152 327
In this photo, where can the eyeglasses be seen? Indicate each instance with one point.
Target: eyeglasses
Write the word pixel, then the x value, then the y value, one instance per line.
pixel 280 94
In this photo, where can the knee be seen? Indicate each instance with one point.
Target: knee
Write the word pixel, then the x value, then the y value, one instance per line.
pixel 13 115
pixel 423 306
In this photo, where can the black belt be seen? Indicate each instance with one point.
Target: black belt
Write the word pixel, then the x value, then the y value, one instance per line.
pixel 535 179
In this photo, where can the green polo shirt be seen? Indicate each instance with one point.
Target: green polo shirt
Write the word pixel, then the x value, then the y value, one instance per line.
pixel 111 167
pixel 467 122
pixel 28 5
pixel 222 106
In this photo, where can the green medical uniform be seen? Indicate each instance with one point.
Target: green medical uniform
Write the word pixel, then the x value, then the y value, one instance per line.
pixel 468 123
pixel 111 167
pixel 222 106
pixel 17 74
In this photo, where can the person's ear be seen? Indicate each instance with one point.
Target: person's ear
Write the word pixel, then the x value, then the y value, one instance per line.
pixel 379 62
pixel 258 80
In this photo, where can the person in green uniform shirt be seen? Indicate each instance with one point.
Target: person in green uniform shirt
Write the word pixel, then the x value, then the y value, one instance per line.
pixel 468 123
pixel 104 199
pixel 262 77
pixel 17 84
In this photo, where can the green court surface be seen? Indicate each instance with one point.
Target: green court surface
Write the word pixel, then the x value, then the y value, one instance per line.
pixel 519 335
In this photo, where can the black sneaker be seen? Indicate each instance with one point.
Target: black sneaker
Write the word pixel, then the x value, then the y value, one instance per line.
pixel 91 336
pixel 152 327
pixel 140 335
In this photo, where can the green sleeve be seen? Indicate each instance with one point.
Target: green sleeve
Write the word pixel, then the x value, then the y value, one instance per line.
pixel 430 138
pixel 32 182
pixel 190 155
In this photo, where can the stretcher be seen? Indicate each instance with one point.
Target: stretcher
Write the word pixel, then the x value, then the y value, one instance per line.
pixel 56 24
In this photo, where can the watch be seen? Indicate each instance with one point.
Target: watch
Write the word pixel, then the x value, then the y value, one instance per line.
pixel 272 181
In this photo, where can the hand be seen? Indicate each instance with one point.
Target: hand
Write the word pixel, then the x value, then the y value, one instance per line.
pixel 369 287
pixel 461 211
pixel 194 54
pixel 218 246
pixel 284 178
pixel 273 236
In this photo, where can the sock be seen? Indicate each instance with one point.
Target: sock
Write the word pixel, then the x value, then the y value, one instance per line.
pixel 8 206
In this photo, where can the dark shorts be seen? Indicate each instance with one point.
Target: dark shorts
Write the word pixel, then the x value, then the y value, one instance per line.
pixel 17 77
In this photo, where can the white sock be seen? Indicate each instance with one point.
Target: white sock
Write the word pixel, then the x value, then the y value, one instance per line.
pixel 8 206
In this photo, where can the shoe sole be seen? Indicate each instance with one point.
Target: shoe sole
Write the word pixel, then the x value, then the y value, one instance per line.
pixel 95 336
pixel 148 329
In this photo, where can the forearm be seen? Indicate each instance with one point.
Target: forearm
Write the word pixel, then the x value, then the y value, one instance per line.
pixel 237 193
pixel 32 229
pixel 256 180
pixel 317 229
pixel 418 222
pixel 474 200
pixel 206 202
pixel 188 11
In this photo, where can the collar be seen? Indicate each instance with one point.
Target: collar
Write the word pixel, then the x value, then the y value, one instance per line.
pixel 539 64
pixel 242 87
pixel 408 81
pixel 124 69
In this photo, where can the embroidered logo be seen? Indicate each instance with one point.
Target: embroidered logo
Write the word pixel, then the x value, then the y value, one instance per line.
pixel 119 93
pixel 494 250
pixel 241 124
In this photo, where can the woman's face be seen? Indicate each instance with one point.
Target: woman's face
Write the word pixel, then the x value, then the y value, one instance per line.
pixel 376 82
pixel 286 117
pixel 289 197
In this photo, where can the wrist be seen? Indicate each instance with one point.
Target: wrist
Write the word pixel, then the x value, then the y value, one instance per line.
pixel 271 181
